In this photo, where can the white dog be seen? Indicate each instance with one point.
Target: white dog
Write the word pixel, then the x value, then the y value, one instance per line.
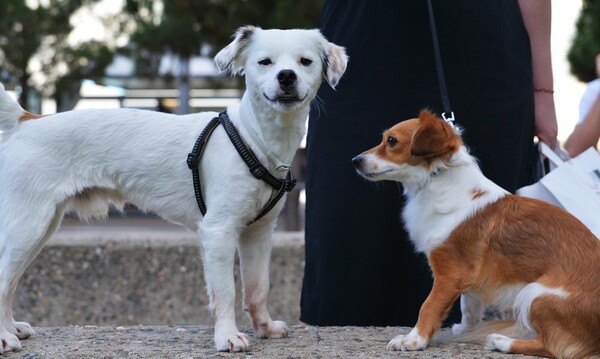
pixel 85 161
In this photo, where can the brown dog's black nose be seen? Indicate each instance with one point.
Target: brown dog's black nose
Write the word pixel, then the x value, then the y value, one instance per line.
pixel 286 78
pixel 356 161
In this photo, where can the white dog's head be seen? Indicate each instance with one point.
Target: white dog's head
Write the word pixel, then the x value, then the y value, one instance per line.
pixel 283 67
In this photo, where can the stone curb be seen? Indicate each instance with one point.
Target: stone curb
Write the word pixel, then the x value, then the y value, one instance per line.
pixel 119 276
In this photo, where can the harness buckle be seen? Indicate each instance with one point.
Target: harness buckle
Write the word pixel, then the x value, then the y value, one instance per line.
pixel 289 185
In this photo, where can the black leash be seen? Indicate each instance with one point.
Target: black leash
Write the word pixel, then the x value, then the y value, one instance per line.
pixel 281 186
pixel 440 69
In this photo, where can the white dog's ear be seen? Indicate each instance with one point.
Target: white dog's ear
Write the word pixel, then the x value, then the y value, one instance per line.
pixel 232 56
pixel 335 62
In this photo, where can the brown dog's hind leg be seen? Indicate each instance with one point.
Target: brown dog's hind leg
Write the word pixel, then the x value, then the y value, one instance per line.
pixel 506 344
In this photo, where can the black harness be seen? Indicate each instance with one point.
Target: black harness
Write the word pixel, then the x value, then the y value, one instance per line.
pixel 280 186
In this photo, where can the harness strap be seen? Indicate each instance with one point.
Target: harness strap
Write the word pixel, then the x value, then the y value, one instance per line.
pixel 254 165
pixel 256 168
pixel 193 160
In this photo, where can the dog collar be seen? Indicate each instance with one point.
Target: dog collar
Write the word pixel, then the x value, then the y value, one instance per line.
pixel 280 186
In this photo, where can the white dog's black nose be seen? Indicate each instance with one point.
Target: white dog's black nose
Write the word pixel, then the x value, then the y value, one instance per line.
pixel 286 78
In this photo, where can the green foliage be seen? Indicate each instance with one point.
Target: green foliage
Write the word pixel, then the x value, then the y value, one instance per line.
pixel 186 27
pixel 586 43
pixel 40 33
pixel 86 61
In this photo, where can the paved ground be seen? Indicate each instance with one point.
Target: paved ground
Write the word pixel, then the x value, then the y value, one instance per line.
pixel 186 342
pixel 196 342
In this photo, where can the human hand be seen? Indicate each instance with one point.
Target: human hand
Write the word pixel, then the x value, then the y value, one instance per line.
pixel 546 126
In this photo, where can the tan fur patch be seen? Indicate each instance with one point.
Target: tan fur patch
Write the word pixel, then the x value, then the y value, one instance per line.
pixel 477 193
pixel 29 116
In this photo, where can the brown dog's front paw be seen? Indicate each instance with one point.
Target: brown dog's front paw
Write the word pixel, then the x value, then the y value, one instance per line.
pixel 409 342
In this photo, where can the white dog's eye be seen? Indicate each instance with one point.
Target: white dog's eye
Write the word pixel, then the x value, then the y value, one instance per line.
pixel 265 62
pixel 391 141
pixel 305 62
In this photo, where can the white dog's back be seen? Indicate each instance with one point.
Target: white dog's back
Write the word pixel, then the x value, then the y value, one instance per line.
pixel 93 157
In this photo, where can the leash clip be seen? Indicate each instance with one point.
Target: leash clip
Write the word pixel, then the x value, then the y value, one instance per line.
pixel 449 120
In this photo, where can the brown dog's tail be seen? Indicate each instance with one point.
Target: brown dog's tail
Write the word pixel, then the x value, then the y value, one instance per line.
pixel 479 334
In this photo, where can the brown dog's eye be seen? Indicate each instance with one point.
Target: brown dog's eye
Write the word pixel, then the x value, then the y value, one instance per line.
pixel 265 62
pixel 305 62
pixel 391 141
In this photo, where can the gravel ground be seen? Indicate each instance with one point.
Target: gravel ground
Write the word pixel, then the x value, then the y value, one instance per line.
pixel 196 342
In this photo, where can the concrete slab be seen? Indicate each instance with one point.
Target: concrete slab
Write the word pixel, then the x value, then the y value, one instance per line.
pixel 143 342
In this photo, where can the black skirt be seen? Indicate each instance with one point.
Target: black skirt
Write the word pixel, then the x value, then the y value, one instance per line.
pixel 361 268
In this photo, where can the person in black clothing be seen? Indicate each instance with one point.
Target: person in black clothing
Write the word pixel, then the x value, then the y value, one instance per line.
pixel 360 267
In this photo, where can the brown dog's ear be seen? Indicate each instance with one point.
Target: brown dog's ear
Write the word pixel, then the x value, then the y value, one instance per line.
pixel 434 137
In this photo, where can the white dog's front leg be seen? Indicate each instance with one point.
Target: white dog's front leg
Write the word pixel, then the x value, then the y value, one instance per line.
pixel 10 272
pixel 8 339
pixel 219 252
pixel 471 308
pixel 255 256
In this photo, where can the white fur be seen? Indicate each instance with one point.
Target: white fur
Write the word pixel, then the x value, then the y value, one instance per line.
pixel 438 199
pixel 516 298
pixel 409 342
pixel 86 160
pixel 529 293
pixel 499 342
pixel 434 210
pixel 9 111
pixel 471 308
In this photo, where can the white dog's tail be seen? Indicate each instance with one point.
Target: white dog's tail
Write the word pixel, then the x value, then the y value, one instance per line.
pixel 10 111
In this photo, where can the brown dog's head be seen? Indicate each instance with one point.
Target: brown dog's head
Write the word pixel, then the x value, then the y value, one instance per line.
pixel 410 151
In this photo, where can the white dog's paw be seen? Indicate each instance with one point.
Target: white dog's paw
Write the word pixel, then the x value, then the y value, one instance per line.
pixel 275 329
pixel 232 342
pixel 411 341
pixel 22 330
pixel 498 342
pixel 10 342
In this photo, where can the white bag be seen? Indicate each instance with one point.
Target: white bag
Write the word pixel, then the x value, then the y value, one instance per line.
pixel 573 185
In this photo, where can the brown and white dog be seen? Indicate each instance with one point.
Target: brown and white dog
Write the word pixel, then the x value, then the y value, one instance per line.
pixel 489 247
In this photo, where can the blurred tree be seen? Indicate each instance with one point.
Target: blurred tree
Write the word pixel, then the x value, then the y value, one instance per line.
pixel 33 41
pixel 184 28
pixel 586 43
pixel 86 61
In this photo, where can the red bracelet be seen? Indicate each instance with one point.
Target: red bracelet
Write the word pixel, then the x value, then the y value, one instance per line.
pixel 543 89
